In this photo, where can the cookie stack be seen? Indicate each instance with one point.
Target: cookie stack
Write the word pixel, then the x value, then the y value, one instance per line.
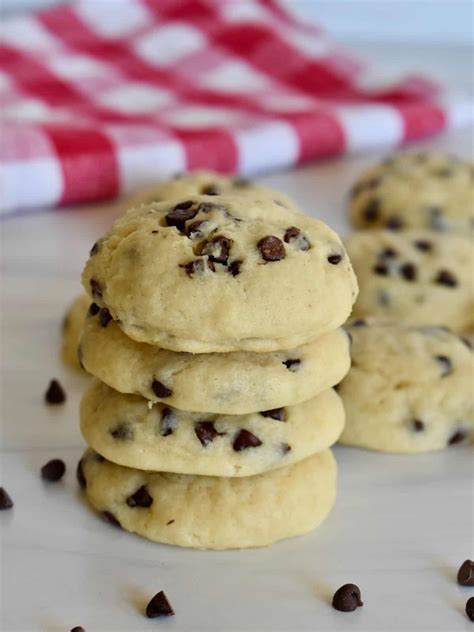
pixel 215 333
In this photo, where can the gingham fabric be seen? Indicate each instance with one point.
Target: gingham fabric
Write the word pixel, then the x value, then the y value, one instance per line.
pixel 101 96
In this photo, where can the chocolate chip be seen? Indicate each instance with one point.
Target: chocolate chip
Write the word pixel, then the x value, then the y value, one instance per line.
pixel 388 253
pixel 275 413
pixel 394 223
pixel 466 573
pixel 234 267
pixel 423 244
pixel 109 516
pixel 94 250
pixel 169 522
pixel 167 422
pixel 211 189
pixel 418 425
pixel 244 440
pixel 292 364
pixel 217 249
pixel 271 248
pixel 444 277
pixel 198 229
pixel 470 608
pixel 347 598
pixel 335 259
pixel 180 214
pixel 295 236
pixel 96 288
pixel 457 437
pixel 5 501
pixel 55 393
pixel 159 606
pixel 208 207
pixel 445 364
pixel 93 310
pixel 122 432
pixel 141 498
pixel 104 317
pixel 197 267
pixel 81 479
pixel 285 448
pixel 359 322
pixel 53 470
pixel 160 389
pixel 371 211
pixel 408 271
pixel 78 628
pixel 381 269
pixel 206 432
pixel 155 232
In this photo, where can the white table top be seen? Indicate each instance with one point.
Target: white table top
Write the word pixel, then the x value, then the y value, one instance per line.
pixel 400 528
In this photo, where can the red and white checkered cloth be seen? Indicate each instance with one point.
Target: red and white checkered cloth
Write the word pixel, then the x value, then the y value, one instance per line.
pixel 102 96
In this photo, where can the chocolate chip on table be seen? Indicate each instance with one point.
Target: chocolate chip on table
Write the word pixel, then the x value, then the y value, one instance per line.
pixel 160 389
pixel 94 250
pixel 470 608
pixel 394 223
pixel 109 516
pixel 335 259
pixel 78 628
pixel 141 498
pixel 206 432
pixel 217 249
pixel 211 189
pixel 5 501
pixel 371 211
pixel 271 248
pixel 234 267
pixel 244 440
pixel 167 422
pixel 53 470
pixel 55 393
pixel 81 479
pixel 180 214
pixel 466 573
pixel 423 244
pixel 96 288
pixel 122 432
pixel 285 448
pixel 347 598
pixel 197 267
pixel 159 606
pixel 457 437
pixel 408 271
pixel 445 277
pixel 104 317
pixel 279 414
pixel 380 269
pixel 93 310
pixel 295 236
pixel 418 425
pixel 292 364
pixel 445 364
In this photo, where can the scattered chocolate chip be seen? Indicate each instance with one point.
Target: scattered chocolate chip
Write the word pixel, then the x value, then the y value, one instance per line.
pixel 292 364
pixel 371 211
pixel 445 364
pixel 295 236
pixel 96 288
pixel 381 269
pixel 104 317
pixel 444 277
pixel 394 223
pixel 217 249
pixel 180 214
pixel 109 516
pixel 388 253
pixel 359 322
pixel 418 425
pixel 5 501
pixel 78 628
pixel 197 267
pixel 160 389
pixel 141 498
pixel 159 606
pixel 53 470
pixel 408 271
pixel 285 448
pixel 154 232
pixel 167 422
pixel 275 413
pixel 271 248
pixel 335 259
pixel 197 229
pixel 347 598
pixel 81 479
pixel 466 573
pixel 470 608
pixel 211 189
pixel 244 440
pixel 122 432
pixel 208 207
pixel 423 244
pixel 93 310
pixel 457 437
pixel 94 250
pixel 55 393
pixel 234 267
pixel 169 522
pixel 206 432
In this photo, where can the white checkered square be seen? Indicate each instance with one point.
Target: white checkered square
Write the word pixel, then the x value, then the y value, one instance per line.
pixel 113 18
pixel 136 98
pixel 235 76
pixel 167 45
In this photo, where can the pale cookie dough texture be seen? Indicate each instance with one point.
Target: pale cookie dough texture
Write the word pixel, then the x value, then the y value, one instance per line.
pixel 416 190
pixel 127 431
pixel 210 512
pixel 72 326
pixel 207 183
pixel 417 277
pixel 233 383
pixel 409 389
pixel 221 274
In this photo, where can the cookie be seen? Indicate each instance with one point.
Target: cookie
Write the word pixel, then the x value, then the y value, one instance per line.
pixel 237 274
pixel 127 430
pixel 210 512
pixel 206 183
pixel 416 190
pixel 232 383
pixel 72 325
pixel 409 389
pixel 417 277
